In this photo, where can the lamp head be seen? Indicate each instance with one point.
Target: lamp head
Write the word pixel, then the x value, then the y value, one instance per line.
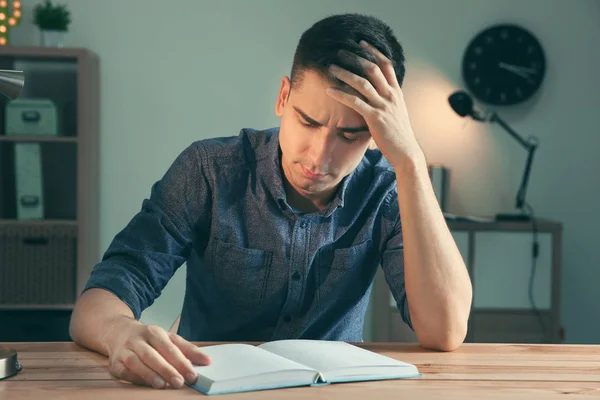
pixel 462 103
pixel 11 83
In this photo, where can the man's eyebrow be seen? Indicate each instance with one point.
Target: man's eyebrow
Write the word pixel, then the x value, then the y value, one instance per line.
pixel 311 121
pixel 358 129
pixel 307 118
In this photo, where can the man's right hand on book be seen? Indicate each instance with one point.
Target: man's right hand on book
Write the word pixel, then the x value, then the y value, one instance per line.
pixel 149 355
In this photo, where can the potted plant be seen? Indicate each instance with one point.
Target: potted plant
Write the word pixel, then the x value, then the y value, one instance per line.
pixel 53 21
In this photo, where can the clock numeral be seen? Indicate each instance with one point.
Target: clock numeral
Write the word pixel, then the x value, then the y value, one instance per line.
pixel 473 65
pixel 519 92
pixel 478 50
pixel 488 91
pixel 476 80
pixel 504 34
pixel 530 50
pixel 503 97
pixel 489 39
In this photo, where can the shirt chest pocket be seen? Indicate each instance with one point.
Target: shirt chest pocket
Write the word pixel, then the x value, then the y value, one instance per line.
pixel 240 274
pixel 342 271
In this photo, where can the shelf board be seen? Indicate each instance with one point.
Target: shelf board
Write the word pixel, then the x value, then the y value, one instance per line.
pixel 37 52
pixel 38 138
pixel 6 307
pixel 34 222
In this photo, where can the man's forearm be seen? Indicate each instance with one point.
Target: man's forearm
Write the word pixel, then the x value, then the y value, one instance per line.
pixel 97 317
pixel 438 286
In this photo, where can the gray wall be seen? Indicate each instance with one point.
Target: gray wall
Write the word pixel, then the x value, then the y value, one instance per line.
pixel 176 71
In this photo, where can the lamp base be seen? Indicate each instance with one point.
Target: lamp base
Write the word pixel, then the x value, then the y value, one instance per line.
pixel 9 365
pixel 513 217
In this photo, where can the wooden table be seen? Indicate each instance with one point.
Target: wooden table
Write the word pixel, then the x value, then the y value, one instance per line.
pixel 475 371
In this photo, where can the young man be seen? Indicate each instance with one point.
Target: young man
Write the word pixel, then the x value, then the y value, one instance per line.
pixel 283 230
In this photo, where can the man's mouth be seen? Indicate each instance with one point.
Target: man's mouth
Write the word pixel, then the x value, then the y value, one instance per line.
pixel 311 175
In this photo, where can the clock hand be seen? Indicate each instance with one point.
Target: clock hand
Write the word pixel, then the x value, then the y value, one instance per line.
pixel 517 68
pixel 516 71
pixel 513 70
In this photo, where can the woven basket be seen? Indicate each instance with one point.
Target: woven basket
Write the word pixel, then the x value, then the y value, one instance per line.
pixel 38 264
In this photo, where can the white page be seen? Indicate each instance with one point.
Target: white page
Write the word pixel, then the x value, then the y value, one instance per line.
pixel 326 356
pixel 236 361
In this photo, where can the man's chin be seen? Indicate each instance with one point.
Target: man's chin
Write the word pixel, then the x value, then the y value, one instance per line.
pixel 309 188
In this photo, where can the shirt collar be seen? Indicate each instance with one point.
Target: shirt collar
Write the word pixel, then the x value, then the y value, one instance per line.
pixel 274 179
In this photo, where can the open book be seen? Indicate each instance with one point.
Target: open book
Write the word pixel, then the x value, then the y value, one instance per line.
pixel 286 363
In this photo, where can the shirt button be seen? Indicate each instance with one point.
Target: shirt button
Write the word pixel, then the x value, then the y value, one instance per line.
pixel 287 318
pixel 296 276
pixel 303 224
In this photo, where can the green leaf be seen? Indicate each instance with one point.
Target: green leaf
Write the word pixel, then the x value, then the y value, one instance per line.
pixel 48 16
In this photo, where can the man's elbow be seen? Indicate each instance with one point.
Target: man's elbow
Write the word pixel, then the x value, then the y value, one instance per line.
pixel 445 343
pixel 448 339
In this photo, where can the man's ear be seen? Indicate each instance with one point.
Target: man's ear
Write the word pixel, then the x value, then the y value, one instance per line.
pixel 284 92
pixel 372 144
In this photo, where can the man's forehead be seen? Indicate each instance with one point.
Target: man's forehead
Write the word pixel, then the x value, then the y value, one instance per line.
pixel 327 80
pixel 349 90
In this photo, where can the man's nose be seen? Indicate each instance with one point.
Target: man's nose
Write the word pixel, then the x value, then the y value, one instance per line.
pixel 320 151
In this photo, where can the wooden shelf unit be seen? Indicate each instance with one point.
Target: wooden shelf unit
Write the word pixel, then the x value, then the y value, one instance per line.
pixel 70 174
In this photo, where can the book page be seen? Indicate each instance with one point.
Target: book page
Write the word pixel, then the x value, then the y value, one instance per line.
pixel 328 357
pixel 237 361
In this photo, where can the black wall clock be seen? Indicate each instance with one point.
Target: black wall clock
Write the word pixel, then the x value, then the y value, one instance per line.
pixel 504 65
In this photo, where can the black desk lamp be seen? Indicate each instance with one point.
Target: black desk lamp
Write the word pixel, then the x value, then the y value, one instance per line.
pixel 462 103
pixel 11 83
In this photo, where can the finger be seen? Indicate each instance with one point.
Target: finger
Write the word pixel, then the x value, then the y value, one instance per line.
pixel 358 83
pixel 160 340
pixel 153 360
pixel 372 70
pixel 135 366
pixel 190 350
pixel 191 353
pixel 352 101
pixel 386 66
pixel 129 376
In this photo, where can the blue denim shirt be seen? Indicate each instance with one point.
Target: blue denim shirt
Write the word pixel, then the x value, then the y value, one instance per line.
pixel 256 269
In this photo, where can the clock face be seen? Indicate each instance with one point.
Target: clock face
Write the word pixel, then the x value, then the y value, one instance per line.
pixel 503 65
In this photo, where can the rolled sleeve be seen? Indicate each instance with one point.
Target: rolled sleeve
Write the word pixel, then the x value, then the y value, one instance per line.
pixel 144 256
pixel 392 261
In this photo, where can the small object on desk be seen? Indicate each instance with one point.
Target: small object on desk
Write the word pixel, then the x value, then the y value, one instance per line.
pixel 440 181
pixel 9 364
pixel 288 363
pixel 513 217
pixel 467 218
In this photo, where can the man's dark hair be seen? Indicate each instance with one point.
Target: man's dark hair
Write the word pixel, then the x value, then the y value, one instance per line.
pixel 319 46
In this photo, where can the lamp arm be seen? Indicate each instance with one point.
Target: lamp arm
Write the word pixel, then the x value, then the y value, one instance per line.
pixel 495 118
pixel 530 146
pixel 520 201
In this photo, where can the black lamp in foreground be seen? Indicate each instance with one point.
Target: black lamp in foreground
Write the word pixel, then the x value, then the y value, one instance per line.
pixel 11 83
pixel 462 103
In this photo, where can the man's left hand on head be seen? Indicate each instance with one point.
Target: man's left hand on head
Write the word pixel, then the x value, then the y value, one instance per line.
pixel 381 103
